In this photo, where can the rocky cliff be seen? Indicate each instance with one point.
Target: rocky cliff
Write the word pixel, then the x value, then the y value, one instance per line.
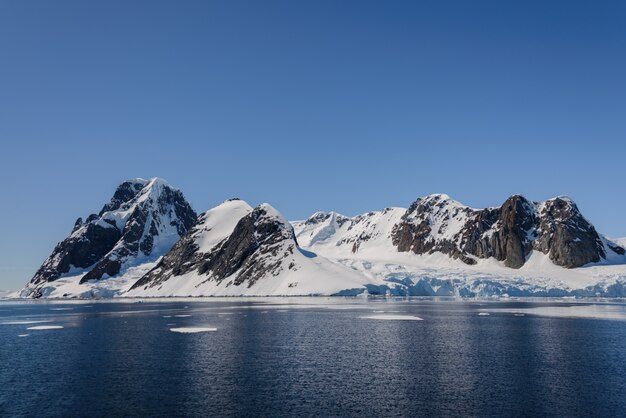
pixel 507 233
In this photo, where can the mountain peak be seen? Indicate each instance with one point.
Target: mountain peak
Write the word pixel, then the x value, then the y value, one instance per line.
pixel 439 200
pixel 437 197
pixel 267 210
pixel 142 220
pixel 158 181
pixel 136 180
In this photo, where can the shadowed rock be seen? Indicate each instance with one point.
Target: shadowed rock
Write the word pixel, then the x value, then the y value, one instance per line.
pixel 252 251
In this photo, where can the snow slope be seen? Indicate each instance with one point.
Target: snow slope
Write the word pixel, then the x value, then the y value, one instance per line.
pixel 258 256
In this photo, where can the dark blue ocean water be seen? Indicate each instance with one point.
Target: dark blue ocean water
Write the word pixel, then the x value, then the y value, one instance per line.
pixel 313 357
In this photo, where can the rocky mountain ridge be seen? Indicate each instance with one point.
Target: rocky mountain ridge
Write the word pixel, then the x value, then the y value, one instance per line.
pixel 507 233
pixel 439 224
pixel 147 241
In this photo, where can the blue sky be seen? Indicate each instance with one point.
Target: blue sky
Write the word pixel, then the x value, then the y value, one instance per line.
pixel 309 105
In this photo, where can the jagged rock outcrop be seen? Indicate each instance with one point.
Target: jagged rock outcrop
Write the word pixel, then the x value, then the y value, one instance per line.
pixel 198 245
pixel 257 247
pixel 564 234
pixel 143 219
pixel 508 233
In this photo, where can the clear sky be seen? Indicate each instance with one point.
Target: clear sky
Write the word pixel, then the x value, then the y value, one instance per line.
pixel 308 105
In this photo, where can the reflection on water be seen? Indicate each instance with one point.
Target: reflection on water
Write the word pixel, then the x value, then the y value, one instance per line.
pixel 314 356
pixel 592 311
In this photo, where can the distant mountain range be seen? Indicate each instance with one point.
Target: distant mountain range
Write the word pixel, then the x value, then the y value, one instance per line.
pixel 148 241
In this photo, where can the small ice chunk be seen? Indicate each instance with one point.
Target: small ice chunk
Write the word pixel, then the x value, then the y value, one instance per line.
pixel 394 317
pixel 44 327
pixel 182 316
pixel 192 330
pixel 483 313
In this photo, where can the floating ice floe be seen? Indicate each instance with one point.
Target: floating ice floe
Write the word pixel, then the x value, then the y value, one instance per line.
pixel 44 327
pixel 192 330
pixel 483 314
pixel 22 335
pixel 182 316
pixel 394 317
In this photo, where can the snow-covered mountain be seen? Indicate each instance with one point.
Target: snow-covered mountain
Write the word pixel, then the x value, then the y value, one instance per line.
pixel 440 247
pixel 143 220
pixel 237 250
pixel 438 224
pixel 147 241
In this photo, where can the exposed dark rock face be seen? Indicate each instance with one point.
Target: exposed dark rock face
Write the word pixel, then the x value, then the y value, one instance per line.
pixel 424 228
pixel 320 217
pixel 165 209
pixel 125 192
pixel 503 233
pixel 616 248
pixel 82 249
pixel 252 249
pixel 566 235
pixel 141 215
pixel 508 233
pixel 256 248
pixel 183 258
